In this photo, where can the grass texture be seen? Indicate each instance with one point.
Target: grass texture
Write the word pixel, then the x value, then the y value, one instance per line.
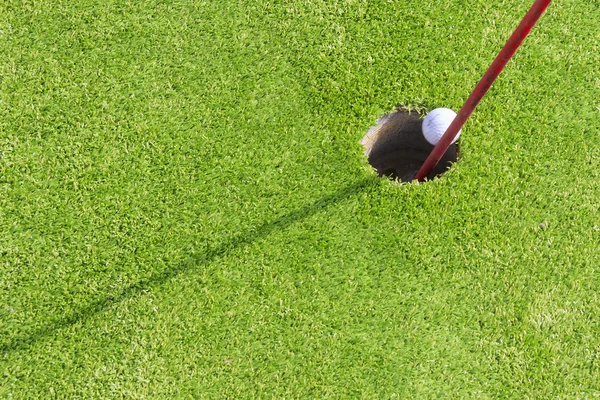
pixel 185 211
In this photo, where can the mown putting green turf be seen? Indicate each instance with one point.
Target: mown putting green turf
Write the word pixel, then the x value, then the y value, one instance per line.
pixel 185 210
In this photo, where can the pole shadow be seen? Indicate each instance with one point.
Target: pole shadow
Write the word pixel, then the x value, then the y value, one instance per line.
pixel 27 339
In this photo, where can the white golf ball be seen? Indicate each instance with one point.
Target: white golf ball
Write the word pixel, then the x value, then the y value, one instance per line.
pixel 436 123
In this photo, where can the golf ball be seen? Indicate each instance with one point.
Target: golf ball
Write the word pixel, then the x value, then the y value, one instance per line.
pixel 436 123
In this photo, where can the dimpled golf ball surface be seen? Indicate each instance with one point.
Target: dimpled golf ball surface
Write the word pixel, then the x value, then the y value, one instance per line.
pixel 436 123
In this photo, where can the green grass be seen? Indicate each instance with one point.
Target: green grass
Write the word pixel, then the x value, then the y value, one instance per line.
pixel 185 211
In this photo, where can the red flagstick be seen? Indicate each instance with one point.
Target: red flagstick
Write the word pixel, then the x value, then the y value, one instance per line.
pixel 509 49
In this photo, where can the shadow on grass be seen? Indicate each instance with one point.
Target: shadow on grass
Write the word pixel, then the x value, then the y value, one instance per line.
pixel 27 339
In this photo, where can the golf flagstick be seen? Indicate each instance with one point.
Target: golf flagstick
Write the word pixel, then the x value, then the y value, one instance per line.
pixel 509 49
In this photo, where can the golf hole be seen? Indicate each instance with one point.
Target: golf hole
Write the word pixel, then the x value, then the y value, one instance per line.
pixel 396 148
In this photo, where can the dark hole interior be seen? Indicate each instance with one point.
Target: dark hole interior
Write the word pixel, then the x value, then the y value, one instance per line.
pixel 396 147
